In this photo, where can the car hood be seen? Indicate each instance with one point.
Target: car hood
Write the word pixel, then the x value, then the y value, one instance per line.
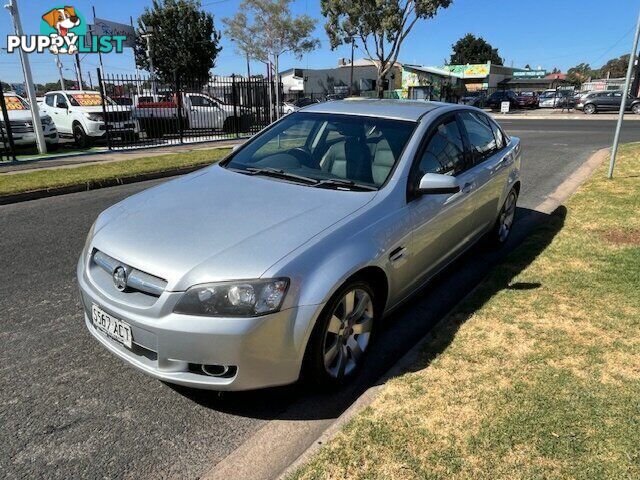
pixel 19 115
pixel 216 225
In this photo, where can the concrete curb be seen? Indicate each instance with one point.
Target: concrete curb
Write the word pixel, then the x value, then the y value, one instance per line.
pixel 553 201
pixel 568 116
pixel 94 185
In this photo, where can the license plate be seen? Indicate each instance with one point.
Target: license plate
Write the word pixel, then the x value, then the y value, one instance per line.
pixel 115 328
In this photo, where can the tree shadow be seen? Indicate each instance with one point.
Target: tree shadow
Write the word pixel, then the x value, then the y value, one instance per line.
pixel 404 328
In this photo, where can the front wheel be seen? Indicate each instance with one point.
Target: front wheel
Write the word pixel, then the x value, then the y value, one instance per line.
pixel 341 336
pixel 590 109
pixel 80 137
pixel 636 109
pixel 504 224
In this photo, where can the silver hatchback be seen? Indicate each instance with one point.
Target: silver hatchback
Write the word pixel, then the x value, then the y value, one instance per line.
pixel 284 258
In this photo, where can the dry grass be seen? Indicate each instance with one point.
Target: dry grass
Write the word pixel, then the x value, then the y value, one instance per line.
pixel 523 383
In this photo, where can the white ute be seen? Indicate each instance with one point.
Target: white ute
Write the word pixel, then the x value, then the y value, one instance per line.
pixel 79 114
pixel 22 125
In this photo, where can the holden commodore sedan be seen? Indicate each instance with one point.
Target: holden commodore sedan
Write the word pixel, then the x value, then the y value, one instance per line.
pixel 283 259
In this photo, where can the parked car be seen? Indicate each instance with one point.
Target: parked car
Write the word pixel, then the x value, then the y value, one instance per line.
pixel 606 101
pixel 19 112
pixel 548 99
pixel 527 99
pixel 285 257
pixel 474 99
pixel 295 105
pixel 158 113
pixel 496 98
pixel 79 114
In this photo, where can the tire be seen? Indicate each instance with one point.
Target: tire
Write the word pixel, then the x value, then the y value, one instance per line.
pixel 590 109
pixel 636 108
pixel 501 230
pixel 336 350
pixel 82 140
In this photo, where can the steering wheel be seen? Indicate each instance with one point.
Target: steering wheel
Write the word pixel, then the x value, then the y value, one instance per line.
pixel 303 155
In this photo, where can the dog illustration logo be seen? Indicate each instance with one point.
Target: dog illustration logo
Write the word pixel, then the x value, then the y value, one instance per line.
pixel 63 20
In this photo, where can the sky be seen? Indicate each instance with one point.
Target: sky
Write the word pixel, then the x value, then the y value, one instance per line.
pixel 545 33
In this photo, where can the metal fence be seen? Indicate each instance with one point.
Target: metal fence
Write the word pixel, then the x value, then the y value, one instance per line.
pixel 7 146
pixel 141 111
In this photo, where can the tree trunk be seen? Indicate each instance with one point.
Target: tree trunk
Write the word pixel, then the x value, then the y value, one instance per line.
pixel 380 85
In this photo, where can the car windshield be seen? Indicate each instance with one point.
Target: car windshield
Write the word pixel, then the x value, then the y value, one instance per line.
pixel 16 103
pixel 327 150
pixel 526 94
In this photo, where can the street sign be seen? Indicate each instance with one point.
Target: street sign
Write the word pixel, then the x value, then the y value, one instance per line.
pixel 504 107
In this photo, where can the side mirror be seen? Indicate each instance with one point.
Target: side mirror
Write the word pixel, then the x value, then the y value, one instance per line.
pixel 437 184
pixel 62 105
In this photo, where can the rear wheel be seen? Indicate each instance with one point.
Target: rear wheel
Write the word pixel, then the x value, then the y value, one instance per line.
pixel 590 109
pixel 341 336
pixel 504 224
pixel 80 137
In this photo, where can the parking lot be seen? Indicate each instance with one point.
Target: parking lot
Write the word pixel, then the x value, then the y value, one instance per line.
pixel 69 408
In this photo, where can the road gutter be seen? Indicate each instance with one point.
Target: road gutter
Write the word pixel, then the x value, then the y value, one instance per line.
pixel 285 445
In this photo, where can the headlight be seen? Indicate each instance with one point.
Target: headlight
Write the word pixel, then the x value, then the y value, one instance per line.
pixel 244 298
pixel 94 117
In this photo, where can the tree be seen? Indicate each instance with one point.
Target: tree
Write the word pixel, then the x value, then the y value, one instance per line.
pixel 580 73
pixel 472 49
pixel 616 67
pixel 381 26
pixel 184 39
pixel 270 32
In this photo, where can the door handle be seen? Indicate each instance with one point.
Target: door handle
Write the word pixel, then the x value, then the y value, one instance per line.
pixel 397 254
pixel 467 187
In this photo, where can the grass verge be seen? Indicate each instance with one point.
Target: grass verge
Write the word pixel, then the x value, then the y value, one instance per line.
pixel 47 179
pixel 536 374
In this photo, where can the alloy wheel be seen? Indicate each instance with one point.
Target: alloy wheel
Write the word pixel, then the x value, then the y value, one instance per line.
pixel 507 216
pixel 348 333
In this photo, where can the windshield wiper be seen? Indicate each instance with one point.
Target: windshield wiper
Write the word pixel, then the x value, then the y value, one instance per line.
pixel 275 172
pixel 340 183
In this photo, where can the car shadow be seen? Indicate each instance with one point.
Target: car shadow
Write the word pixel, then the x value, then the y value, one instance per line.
pixel 404 328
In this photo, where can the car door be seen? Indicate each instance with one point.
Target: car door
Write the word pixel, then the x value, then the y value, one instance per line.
pixel 204 112
pixel 490 166
pixel 442 223
pixel 59 107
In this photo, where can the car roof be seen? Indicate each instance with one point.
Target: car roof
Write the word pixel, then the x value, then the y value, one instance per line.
pixel 410 110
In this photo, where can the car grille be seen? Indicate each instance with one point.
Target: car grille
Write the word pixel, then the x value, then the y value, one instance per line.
pixel 20 126
pixel 137 280
pixel 113 117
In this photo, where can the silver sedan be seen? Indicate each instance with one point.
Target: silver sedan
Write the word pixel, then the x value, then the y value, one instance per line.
pixel 284 258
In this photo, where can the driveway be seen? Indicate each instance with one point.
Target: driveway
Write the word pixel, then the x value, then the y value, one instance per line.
pixel 69 409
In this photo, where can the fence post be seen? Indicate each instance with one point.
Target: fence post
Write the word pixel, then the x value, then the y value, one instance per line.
pixel 7 127
pixel 103 95
pixel 234 99
pixel 176 79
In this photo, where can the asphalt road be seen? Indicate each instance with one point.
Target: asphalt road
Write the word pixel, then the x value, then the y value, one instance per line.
pixel 70 409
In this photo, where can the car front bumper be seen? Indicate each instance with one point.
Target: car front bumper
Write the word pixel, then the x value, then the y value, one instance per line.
pixel 261 351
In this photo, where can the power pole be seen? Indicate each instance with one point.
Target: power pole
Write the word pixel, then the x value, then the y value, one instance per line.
pixel 623 103
pixel 59 65
pixel 79 72
pixel 28 79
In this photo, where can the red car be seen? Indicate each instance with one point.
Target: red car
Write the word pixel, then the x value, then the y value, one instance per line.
pixel 527 100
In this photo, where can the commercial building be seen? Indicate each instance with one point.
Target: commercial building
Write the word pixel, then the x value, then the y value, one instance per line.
pixel 428 83
pixel 335 81
pixel 482 76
